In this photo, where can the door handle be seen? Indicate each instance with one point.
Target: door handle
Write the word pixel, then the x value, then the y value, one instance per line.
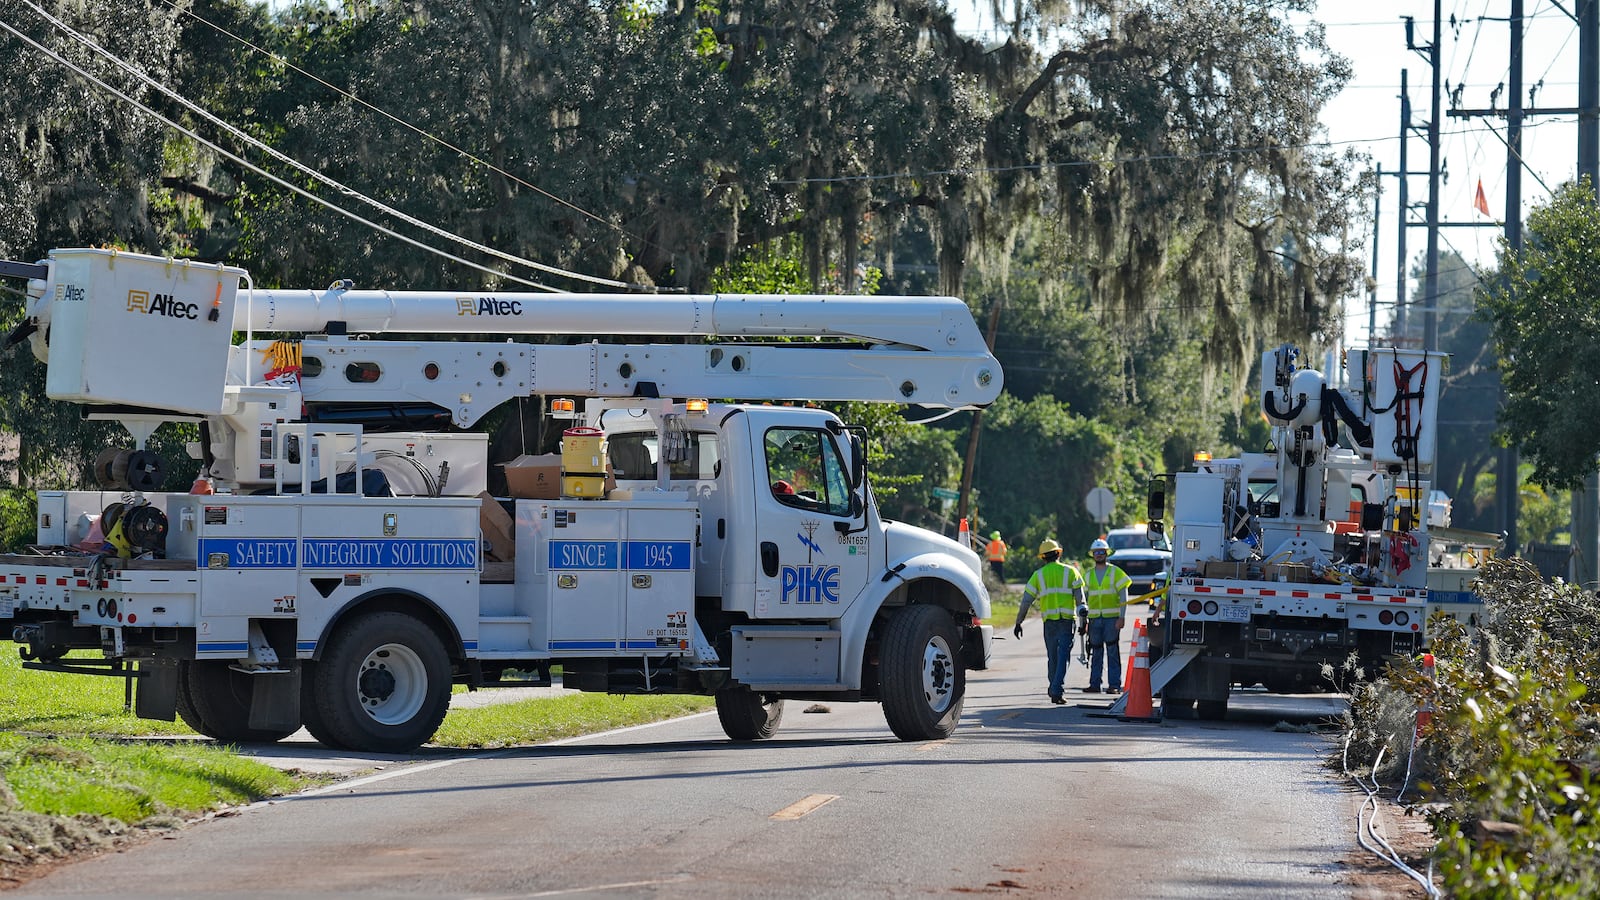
pixel 769 559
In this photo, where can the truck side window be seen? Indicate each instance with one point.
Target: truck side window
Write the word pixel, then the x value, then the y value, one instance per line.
pixel 805 470
pixel 633 457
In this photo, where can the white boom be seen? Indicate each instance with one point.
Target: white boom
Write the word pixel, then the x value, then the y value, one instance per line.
pixel 915 350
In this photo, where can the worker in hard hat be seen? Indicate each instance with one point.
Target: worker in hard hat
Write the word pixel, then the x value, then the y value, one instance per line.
pixel 995 553
pixel 1057 586
pixel 1105 589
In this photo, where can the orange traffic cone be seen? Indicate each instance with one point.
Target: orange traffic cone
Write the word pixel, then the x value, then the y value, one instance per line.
pixel 1137 688
pixel 964 535
pixel 1425 708
pixel 1138 632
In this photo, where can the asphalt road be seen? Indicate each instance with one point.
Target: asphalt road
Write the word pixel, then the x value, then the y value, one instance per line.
pixel 1027 798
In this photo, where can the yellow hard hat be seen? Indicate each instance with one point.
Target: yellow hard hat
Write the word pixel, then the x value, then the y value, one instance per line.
pixel 1049 545
pixel 994 535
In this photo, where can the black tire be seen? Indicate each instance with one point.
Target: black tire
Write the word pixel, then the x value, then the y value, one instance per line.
pixel 922 681
pixel 308 708
pixel 1212 710
pixel 748 716
pixel 382 685
pixel 214 699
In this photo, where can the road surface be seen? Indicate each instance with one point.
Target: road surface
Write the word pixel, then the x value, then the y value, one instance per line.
pixel 1026 799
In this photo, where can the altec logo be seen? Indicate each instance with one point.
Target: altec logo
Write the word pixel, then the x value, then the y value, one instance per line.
pixel 161 305
pixel 487 306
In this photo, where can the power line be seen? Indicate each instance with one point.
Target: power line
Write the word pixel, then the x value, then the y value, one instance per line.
pixel 253 167
pixel 405 124
pixel 252 141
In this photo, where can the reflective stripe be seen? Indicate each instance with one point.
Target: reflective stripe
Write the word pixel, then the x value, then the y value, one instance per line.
pixel 995 551
pixel 1103 592
pixel 1054 585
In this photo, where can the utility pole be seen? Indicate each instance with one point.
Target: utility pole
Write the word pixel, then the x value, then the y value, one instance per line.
pixel 1508 482
pixel 1586 501
pixel 1372 289
pixel 1430 294
pixel 1405 209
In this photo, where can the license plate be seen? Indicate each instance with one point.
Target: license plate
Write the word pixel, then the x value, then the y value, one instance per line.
pixel 1234 612
pixel 5 608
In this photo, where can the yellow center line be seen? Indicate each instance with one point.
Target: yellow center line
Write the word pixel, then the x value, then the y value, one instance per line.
pixel 931 745
pixel 803 807
pixel 1011 715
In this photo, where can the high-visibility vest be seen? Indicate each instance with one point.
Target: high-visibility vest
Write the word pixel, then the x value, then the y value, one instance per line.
pixel 1054 584
pixel 995 551
pixel 1103 591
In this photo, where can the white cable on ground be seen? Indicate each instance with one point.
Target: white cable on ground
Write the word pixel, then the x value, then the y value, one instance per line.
pixel 307 170
pixel 1364 827
pixel 262 172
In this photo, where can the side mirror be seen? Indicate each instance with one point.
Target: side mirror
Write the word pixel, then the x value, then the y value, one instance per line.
pixel 1155 505
pixel 858 460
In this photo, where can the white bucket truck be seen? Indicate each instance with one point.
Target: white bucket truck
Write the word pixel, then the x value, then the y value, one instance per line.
pixel 336 576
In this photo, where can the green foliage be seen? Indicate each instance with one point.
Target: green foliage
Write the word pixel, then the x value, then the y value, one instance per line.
pixel 1514 738
pixel 1545 321
pixel 1039 460
pixel 16 519
pixel 60 704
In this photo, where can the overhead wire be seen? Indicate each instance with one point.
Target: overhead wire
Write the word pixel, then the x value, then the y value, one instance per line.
pixel 274 153
pixel 239 160
pixel 464 153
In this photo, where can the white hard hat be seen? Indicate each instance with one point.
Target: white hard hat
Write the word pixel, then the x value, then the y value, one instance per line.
pixel 1099 544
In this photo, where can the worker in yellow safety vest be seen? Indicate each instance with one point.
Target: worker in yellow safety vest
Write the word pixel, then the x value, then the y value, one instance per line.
pixel 1105 587
pixel 995 553
pixel 1058 587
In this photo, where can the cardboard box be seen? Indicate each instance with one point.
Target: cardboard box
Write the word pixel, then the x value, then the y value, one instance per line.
pixel 498 528
pixel 534 477
pixel 1224 568
pixel 1299 573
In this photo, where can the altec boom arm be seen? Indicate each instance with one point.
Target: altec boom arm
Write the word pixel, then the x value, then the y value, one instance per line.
pixel 95 304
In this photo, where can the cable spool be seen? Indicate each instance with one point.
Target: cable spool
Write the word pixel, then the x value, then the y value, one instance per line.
pixel 146 470
pixel 111 527
pixel 101 468
pixel 145 529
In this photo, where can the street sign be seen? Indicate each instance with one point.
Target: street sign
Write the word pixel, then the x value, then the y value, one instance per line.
pixel 940 493
pixel 1100 502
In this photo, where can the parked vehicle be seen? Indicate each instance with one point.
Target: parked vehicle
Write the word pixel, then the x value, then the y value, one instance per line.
pixel 1144 555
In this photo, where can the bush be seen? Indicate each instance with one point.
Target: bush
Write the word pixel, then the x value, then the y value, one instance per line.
pixel 1511 755
pixel 16 519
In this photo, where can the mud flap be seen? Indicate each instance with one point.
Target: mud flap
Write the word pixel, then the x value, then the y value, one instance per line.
pixel 275 700
pixel 156 694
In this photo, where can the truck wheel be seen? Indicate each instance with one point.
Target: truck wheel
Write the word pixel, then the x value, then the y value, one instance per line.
pixel 1212 709
pixel 748 716
pixel 382 685
pixel 922 680
pixel 214 700
pixel 308 708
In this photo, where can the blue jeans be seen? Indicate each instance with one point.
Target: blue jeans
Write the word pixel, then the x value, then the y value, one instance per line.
pixel 1103 637
pixel 1058 651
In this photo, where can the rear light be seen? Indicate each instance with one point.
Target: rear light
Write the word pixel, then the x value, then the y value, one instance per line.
pixel 1194 607
pixel 1402 617
pixel 1386 617
pixel 1211 607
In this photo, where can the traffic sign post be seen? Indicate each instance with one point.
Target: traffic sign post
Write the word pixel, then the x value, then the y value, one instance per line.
pixel 1100 502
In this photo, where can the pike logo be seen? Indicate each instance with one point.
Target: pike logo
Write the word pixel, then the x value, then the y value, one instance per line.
pixel 487 306
pixel 161 305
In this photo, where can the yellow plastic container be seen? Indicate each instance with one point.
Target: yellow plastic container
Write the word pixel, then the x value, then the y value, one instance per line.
pixel 583 451
pixel 583 487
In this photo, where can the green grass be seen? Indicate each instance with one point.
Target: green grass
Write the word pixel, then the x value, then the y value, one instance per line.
pixel 57 703
pixel 132 782
pixel 552 718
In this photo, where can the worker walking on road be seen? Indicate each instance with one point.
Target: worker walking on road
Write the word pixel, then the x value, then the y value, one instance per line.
pixel 1058 587
pixel 995 553
pixel 1106 590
